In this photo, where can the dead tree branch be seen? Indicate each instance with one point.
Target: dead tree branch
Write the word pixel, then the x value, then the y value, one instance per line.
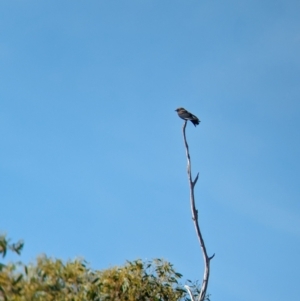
pixel 206 258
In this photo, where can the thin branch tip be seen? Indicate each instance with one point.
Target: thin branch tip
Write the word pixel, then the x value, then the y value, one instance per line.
pixel 196 179
pixel 190 293
pixel 211 257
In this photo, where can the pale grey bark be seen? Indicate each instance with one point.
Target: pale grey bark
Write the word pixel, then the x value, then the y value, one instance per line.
pixel 206 258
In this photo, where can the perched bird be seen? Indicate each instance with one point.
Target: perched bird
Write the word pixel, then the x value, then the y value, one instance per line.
pixel 186 115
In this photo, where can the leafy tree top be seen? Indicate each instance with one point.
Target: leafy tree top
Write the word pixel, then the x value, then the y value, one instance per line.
pixel 50 279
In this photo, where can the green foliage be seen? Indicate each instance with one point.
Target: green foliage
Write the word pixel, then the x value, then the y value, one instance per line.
pixel 6 245
pixel 50 279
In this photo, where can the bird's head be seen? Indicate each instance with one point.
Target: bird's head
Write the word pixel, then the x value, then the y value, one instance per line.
pixel 179 109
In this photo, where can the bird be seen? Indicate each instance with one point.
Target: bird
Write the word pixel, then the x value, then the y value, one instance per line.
pixel 186 115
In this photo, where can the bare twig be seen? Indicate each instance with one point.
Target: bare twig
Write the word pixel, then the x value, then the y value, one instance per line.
pixel 190 292
pixel 206 258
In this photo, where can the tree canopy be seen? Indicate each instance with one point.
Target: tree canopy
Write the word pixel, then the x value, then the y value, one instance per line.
pixel 49 279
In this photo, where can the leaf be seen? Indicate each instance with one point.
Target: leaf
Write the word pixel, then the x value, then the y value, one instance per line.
pixel 3 247
pixel 17 247
pixel 95 280
pixel 2 266
pixel 18 279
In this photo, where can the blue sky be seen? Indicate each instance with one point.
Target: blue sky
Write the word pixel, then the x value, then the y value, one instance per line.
pixel 91 152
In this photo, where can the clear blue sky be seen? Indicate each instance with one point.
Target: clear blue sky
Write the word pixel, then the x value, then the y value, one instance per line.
pixel 91 151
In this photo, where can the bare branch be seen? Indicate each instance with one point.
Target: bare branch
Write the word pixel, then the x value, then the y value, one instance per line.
pixel 196 179
pixel 211 257
pixel 206 258
pixel 190 292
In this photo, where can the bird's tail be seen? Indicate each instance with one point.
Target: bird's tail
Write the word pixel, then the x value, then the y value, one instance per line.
pixel 195 122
